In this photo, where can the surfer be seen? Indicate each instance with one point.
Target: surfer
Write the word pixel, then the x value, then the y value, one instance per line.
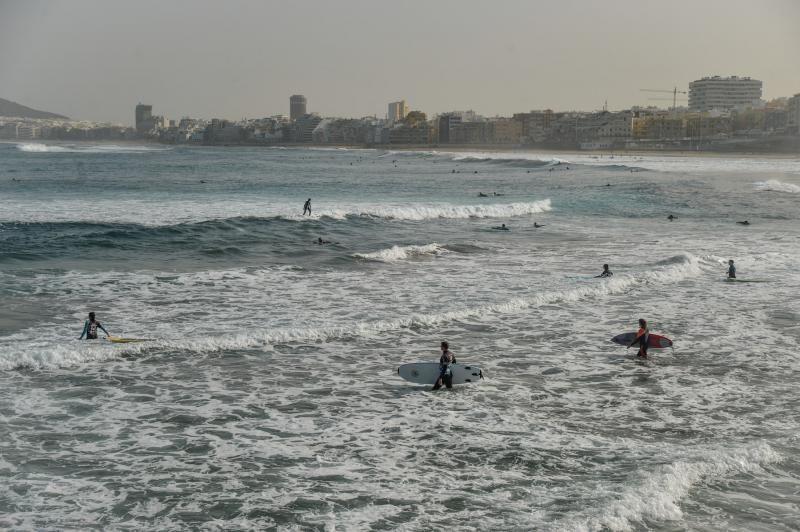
pixel 321 242
pixel 445 372
pixel 606 272
pixel 642 336
pixel 743 223
pixel 501 228
pixel 307 207
pixel 731 270
pixel 537 226
pixel 482 195
pixel 90 328
pixel 670 217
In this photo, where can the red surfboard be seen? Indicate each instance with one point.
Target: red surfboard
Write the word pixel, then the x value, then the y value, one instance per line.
pixel 654 341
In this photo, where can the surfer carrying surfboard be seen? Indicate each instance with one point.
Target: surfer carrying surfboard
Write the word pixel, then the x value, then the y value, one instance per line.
pixel 642 336
pixel 445 373
pixel 90 328
pixel 732 270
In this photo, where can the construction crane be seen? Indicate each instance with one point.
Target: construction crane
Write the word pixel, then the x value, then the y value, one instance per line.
pixel 674 93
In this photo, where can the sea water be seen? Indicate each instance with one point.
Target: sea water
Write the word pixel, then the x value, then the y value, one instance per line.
pixel 268 398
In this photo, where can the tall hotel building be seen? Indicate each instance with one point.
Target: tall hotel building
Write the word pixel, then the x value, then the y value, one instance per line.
pixel 723 93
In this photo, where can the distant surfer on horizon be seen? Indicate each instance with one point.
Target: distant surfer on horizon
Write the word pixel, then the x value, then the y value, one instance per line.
pixel 642 336
pixel 606 272
pixel 731 270
pixel 445 371
pixel 90 328
pixel 307 207
pixel 670 217
pixel 743 223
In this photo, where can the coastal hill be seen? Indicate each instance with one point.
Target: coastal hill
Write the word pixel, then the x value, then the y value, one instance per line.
pixel 9 108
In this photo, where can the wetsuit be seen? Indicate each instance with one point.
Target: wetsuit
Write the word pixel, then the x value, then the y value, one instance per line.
pixel 731 272
pixel 90 330
pixel 307 208
pixel 445 371
pixel 642 336
pixel 606 273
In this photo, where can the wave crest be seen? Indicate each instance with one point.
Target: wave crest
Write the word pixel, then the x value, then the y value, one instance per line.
pixel 36 147
pixel 398 253
pixel 773 185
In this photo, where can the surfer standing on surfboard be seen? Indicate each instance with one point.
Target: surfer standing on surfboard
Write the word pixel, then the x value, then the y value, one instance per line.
pixel 731 270
pixel 642 336
pixel 445 372
pixel 90 328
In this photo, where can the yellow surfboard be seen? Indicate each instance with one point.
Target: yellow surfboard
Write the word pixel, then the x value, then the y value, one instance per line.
pixel 121 340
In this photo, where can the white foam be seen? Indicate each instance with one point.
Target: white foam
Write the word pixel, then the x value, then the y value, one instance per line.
pixel 655 495
pixel 17 352
pixel 398 253
pixel 87 148
pixel 434 211
pixel 773 185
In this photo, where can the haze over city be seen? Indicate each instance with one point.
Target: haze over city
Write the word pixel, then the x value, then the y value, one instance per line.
pixel 93 60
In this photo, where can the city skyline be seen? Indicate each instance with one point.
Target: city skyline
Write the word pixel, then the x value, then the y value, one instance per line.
pixel 198 59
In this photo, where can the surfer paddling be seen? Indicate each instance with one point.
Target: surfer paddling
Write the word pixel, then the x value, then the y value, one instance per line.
pixel 445 371
pixel 606 272
pixel 90 328
pixel 642 336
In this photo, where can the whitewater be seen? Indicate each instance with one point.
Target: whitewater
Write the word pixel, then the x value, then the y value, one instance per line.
pixel 267 396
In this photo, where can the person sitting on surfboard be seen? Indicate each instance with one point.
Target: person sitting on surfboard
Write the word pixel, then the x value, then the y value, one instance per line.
pixel 445 373
pixel 90 328
pixel 606 272
pixel 642 336
pixel 731 270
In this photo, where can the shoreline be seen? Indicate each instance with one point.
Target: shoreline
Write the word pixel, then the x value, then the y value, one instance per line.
pixel 457 148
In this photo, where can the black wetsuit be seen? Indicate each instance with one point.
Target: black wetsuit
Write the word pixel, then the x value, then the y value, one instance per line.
pixel 90 330
pixel 445 371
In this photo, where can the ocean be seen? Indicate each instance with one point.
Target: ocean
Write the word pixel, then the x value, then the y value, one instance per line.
pixel 268 398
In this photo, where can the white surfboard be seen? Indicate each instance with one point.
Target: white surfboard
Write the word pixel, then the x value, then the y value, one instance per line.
pixel 428 372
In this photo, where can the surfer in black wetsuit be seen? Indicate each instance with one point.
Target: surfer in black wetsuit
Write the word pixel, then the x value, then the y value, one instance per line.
pixel 743 223
pixel 731 270
pixel 537 226
pixel 642 337
pixel 670 217
pixel 606 272
pixel 307 207
pixel 90 328
pixel 501 228
pixel 445 371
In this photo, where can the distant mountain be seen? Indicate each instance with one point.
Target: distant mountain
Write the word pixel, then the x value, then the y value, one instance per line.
pixel 9 108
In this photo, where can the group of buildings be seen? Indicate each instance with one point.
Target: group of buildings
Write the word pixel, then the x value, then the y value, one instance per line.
pixel 722 113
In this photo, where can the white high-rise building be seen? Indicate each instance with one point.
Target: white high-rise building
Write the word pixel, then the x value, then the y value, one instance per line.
pixel 397 111
pixel 723 93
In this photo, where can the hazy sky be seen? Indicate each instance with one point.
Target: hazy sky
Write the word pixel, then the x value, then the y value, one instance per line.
pixel 96 59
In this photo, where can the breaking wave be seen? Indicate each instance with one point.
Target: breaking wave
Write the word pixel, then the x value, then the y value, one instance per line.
pixel 89 148
pixel 398 253
pixel 773 185
pixel 655 495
